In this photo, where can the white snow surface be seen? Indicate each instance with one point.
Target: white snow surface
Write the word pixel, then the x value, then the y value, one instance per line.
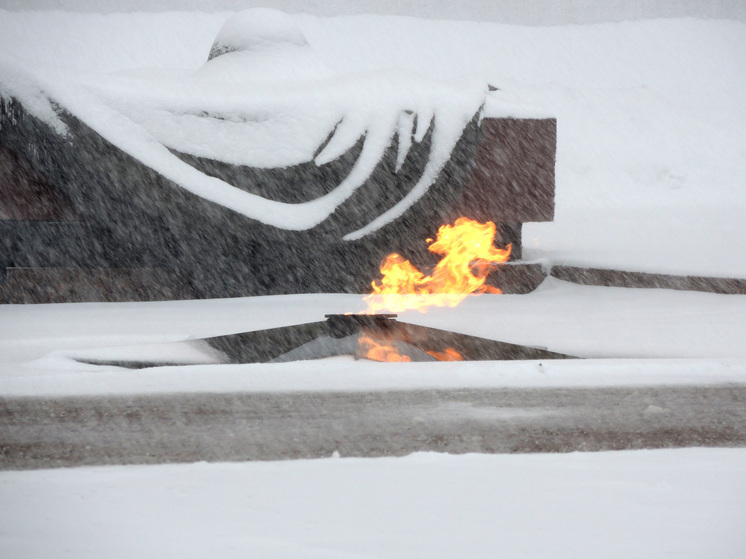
pixel 651 155
pixel 623 337
pixel 685 503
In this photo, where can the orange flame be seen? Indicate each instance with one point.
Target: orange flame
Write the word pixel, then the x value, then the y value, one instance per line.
pixel 467 252
pixel 371 349
pixel 449 354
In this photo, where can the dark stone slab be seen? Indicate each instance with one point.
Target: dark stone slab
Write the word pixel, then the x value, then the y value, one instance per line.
pixel 619 278
pixel 26 195
pixel 513 177
pixel 139 219
pixel 61 244
pixel 224 253
pixel 316 340
pixel 471 348
pixel 262 346
pixel 83 285
pixel 265 345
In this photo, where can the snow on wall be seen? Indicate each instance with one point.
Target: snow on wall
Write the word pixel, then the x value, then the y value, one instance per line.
pixel 264 100
pixel 15 83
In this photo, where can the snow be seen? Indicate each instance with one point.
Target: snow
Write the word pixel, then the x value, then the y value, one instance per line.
pixel 18 85
pixel 54 377
pixel 258 29
pixel 624 337
pixel 685 503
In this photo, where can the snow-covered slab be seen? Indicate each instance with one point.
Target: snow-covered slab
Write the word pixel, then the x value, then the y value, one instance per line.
pixel 686 503
pixel 585 321
pixel 625 337
pixel 344 374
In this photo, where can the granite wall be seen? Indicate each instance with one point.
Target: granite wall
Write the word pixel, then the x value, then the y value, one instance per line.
pixel 77 211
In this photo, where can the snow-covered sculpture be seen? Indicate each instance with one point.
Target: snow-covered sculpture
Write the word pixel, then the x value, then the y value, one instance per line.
pixel 265 149
pixel 264 100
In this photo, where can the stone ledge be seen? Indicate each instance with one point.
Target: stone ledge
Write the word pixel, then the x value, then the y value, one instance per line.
pixel 620 278
pixel 83 285
pixel 91 285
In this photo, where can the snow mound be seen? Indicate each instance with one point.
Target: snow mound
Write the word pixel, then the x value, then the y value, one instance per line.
pixel 257 29
pixel 262 45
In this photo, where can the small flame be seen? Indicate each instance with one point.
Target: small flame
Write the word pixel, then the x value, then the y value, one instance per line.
pixel 467 252
pixel 371 349
pixel 449 354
